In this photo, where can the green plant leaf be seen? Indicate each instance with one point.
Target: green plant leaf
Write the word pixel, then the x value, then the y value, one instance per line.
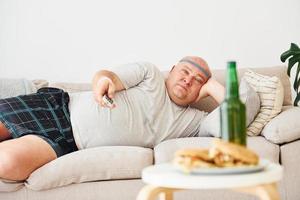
pixel 296 85
pixel 293 56
pixel 288 54
pixel 294 50
pixel 294 47
pixel 297 99
pixel 285 55
pixel 293 60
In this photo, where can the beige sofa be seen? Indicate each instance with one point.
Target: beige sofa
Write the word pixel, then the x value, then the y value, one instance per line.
pixel 113 173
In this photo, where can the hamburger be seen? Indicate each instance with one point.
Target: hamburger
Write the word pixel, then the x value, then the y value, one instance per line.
pixel 188 159
pixel 227 154
pixel 220 154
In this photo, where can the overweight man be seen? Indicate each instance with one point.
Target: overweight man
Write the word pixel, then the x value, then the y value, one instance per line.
pixel 147 109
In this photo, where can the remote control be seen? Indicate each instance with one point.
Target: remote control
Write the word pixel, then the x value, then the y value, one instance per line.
pixel 108 101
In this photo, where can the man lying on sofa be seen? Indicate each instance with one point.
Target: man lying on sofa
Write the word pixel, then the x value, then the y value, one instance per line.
pixel 146 109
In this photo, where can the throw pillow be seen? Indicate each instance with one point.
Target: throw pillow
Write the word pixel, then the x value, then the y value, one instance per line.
pixel 270 91
pixel 285 127
pixel 210 126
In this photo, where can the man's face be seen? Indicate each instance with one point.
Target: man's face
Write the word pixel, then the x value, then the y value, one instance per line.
pixel 184 83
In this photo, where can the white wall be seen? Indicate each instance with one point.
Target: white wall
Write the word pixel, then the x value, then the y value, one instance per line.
pixel 68 40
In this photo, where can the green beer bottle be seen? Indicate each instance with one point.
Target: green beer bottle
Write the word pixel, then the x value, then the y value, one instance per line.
pixel 232 110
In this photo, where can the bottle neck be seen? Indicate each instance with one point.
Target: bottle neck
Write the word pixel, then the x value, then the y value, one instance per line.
pixel 232 90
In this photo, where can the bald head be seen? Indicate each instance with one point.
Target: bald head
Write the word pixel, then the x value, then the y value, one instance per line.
pixel 199 63
pixel 186 79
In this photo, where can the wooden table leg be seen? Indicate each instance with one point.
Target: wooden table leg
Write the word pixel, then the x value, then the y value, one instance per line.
pixel 264 192
pixel 150 192
pixel 167 194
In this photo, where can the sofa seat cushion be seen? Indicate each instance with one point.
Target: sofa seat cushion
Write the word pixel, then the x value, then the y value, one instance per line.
pixel 100 163
pixel 164 152
pixel 10 186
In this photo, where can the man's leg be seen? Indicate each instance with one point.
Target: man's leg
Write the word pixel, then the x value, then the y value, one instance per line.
pixel 21 156
pixel 4 134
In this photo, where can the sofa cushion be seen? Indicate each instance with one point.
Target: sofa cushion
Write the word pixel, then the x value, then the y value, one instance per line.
pixel 72 87
pixel 164 151
pixel 285 127
pixel 10 186
pixel 100 163
pixel 270 91
pixel 211 124
pixel 14 87
pixel 39 83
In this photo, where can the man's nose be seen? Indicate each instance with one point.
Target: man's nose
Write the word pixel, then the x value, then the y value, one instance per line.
pixel 188 80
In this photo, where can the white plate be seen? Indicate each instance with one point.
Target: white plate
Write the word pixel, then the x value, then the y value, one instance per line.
pixel 230 170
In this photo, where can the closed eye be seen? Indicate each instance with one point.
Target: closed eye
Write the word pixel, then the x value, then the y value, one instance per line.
pixel 199 79
pixel 185 72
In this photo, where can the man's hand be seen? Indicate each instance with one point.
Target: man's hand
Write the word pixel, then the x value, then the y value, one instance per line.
pixel 214 89
pixel 106 83
pixel 104 86
pixel 204 90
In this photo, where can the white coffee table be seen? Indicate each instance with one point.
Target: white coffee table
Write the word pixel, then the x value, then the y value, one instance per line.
pixel 164 179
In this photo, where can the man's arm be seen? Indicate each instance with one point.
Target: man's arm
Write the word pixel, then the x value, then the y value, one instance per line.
pixel 214 89
pixel 106 82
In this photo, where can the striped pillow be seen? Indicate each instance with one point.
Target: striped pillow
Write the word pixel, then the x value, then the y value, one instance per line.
pixel 270 92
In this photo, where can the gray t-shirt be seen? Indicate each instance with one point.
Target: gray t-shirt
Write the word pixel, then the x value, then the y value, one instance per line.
pixel 144 114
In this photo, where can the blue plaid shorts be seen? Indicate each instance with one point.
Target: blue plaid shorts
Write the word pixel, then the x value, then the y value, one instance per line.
pixel 44 114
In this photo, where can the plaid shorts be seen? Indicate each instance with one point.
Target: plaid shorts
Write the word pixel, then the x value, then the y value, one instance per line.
pixel 44 114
